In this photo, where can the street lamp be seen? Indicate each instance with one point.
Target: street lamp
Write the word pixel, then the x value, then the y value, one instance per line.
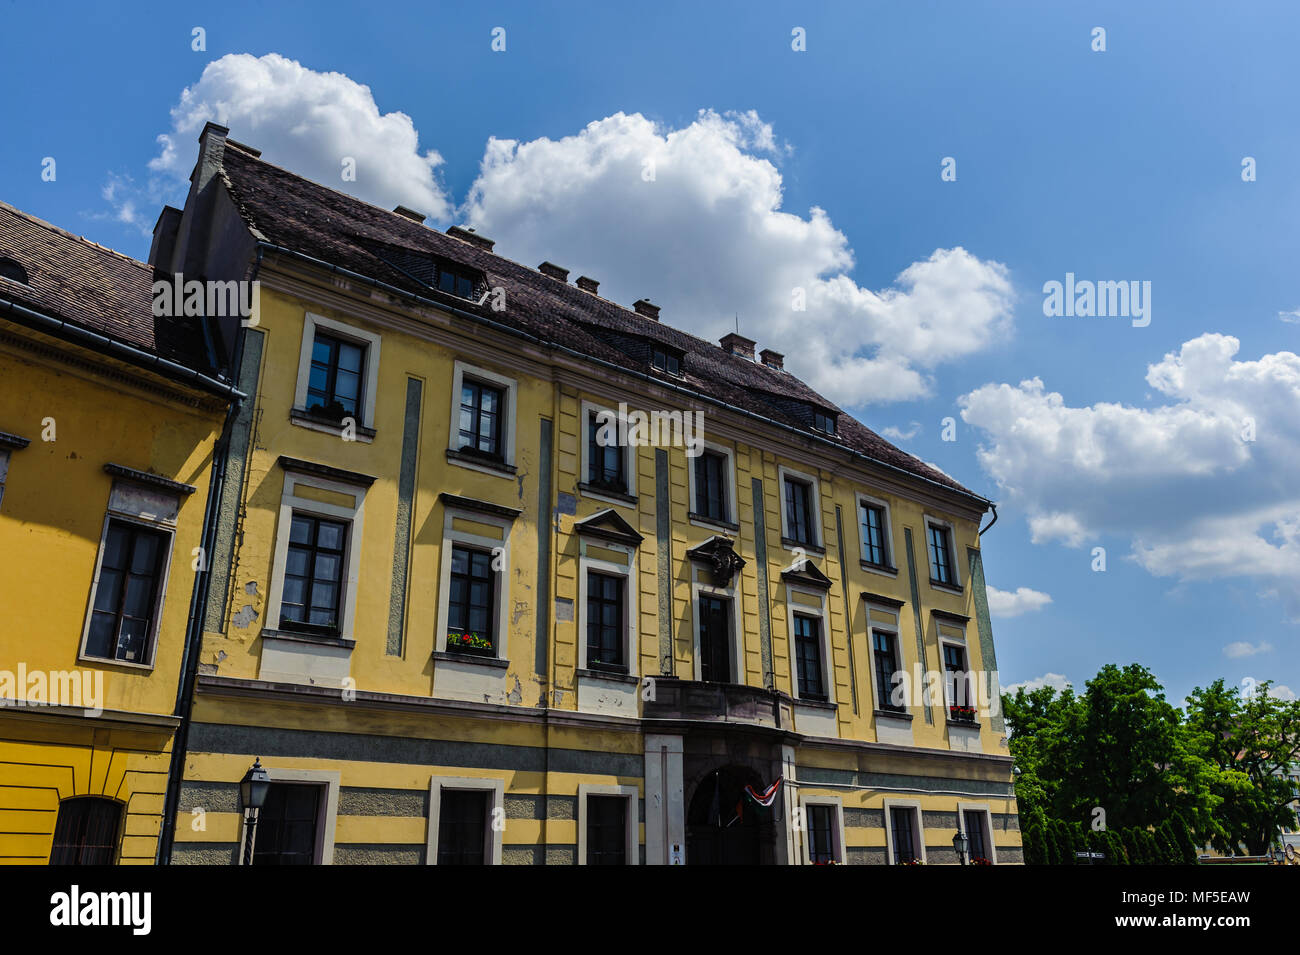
pixel 961 844
pixel 252 791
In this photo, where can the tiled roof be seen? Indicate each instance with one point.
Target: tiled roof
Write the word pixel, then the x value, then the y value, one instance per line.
pixel 87 285
pixel 294 213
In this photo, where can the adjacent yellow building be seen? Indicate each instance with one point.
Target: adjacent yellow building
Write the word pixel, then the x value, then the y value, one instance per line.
pixel 109 417
pixel 508 573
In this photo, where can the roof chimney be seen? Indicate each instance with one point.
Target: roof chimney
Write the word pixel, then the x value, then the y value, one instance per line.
pixel 773 359
pixel 588 284
pixel 405 213
pixel 164 238
pixel 554 271
pixel 472 237
pixel 645 307
pixel 734 344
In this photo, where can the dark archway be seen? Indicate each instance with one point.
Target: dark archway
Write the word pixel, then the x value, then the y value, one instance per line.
pixel 723 825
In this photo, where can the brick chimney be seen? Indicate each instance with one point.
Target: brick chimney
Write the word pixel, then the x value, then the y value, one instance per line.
pixel 734 344
pixel 773 359
pixel 587 284
pixel 405 213
pixel 554 271
pixel 644 306
pixel 472 237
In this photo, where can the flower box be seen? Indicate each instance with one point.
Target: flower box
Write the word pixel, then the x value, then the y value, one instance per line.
pixel 471 643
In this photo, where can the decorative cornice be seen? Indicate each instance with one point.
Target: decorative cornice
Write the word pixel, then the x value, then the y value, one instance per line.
pixel 13 441
pixel 884 601
pixel 949 615
pixel 482 507
pixel 607 525
pixel 151 480
pixel 720 554
pixel 807 575
pixel 325 471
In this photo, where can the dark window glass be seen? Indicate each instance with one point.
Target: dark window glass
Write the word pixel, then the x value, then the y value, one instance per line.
pixel 605 622
pixel 86 831
pixel 12 270
pixel 957 681
pixel 286 825
pixel 668 362
pixel 821 835
pixel 313 574
pixel 606 461
pixel 941 554
pixel 715 639
pixel 334 387
pixel 607 830
pixel 974 827
pixel 456 282
pixel 481 412
pixel 130 574
pixel 874 550
pixel 462 827
pixel 808 657
pixel 711 485
pixel 470 623
pixel 798 511
pixel 886 667
pixel 902 823
pixel 824 422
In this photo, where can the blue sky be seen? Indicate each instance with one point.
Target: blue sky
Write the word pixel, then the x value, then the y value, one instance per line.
pixel 1117 165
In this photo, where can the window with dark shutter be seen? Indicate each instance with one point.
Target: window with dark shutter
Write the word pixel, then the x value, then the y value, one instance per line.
pixel 462 827
pixel 286 825
pixel 607 830
pixel 902 824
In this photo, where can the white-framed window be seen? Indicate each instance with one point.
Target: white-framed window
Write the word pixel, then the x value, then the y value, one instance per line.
pixel 941 551
pixel 904 838
pixel 467 818
pixel 711 478
pixel 608 826
pixel 876 535
pixel 296 823
pixel 608 463
pixel 887 662
pixel 958 681
pixel 473 584
pixel 976 821
pixel 481 434
pixel 810 651
pixel 317 563
pixel 718 650
pixel 823 829
pixel 607 612
pixel 132 568
pixel 801 510
pixel 338 375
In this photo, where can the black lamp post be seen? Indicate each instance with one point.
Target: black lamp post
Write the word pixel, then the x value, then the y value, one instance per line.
pixel 961 844
pixel 252 790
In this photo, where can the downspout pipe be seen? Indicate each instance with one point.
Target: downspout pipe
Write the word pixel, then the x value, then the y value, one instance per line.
pixel 994 508
pixel 506 329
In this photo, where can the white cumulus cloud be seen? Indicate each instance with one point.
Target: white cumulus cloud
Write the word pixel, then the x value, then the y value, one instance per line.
pixel 1056 681
pixel 1242 648
pixel 1004 603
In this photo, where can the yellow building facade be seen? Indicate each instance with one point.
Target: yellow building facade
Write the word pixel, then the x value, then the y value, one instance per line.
pixel 108 423
pixel 457 624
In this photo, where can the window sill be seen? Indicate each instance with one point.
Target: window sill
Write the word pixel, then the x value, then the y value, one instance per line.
pixel 470 658
pixel 946 588
pixel 611 675
pixel 327 425
pixel 893 714
pixel 881 569
pixel 106 662
pixel 817 704
pixel 320 639
pixel 790 544
pixel 614 497
pixel 703 519
pixel 476 463
pixel 966 724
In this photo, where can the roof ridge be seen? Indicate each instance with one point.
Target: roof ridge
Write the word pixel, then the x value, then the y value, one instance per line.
pixel 73 236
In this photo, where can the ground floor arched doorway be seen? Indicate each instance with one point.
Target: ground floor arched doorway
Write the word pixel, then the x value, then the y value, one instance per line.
pixel 723 825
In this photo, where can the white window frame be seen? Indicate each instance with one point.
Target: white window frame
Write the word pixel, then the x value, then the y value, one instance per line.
pixel 946 640
pixel 918 830
pixel 887 530
pixel 956 585
pixel 732 515
pixel 840 850
pixel 871 651
pixel 450 537
pixel 737 632
pixel 369 340
pixel 631 607
pixel 510 388
pixel 982 807
pixel 327 814
pixel 290 504
pixel 496 811
pixel 814 505
pixel 791 609
pixel 143 520
pixel 588 408
pixel 633 796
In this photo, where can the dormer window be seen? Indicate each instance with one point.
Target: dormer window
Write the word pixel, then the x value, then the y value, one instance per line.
pixel 667 361
pixel 456 281
pixel 11 270
pixel 823 421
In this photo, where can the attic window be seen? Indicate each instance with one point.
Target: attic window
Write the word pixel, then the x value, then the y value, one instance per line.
pixel 456 281
pixel 667 361
pixel 823 422
pixel 13 271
